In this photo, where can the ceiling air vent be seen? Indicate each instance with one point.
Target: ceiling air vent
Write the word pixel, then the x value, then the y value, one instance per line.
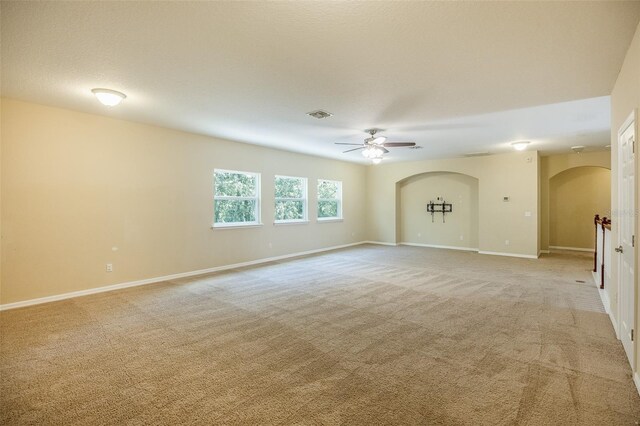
pixel 476 154
pixel 415 147
pixel 319 114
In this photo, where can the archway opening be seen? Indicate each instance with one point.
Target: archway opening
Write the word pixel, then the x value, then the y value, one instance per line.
pixel 457 229
pixel 575 196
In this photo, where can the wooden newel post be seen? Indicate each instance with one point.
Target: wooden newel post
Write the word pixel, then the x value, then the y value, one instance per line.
pixel 605 222
pixel 596 219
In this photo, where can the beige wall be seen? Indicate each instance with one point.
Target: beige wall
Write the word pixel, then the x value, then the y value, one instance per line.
pixel 625 99
pixel 1 203
pixel 460 228
pixel 514 175
pixel 539 192
pixel 575 195
pixel 75 186
pixel 551 166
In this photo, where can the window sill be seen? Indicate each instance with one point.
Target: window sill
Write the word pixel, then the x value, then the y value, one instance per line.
pixel 330 219
pixel 236 226
pixel 291 222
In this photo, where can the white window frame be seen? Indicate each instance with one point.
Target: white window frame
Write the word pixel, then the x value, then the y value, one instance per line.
pixel 339 200
pixel 304 199
pixel 256 197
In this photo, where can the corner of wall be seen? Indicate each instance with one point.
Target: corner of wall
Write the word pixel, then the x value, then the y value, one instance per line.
pixel 539 188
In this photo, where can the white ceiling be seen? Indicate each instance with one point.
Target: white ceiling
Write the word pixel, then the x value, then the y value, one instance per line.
pixel 455 77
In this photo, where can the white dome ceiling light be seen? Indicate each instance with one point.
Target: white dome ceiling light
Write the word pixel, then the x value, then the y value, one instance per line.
pixel 109 97
pixel 520 145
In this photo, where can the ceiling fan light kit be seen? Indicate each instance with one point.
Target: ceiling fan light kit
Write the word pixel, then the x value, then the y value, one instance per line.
pixel 374 147
pixel 372 151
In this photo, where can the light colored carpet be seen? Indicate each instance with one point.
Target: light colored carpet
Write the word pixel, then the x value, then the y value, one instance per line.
pixel 368 335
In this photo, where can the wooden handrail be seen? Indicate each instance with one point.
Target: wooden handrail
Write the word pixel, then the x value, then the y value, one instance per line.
pixel 602 221
pixel 603 224
pixel 596 221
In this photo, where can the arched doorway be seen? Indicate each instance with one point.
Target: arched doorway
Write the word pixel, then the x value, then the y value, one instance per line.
pixel 575 196
pixel 416 226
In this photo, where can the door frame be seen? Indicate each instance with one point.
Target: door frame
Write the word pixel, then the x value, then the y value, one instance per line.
pixel 631 120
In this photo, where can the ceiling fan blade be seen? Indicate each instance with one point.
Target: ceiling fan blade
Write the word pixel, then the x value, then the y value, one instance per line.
pixel 384 149
pixel 354 149
pixel 343 143
pixel 398 144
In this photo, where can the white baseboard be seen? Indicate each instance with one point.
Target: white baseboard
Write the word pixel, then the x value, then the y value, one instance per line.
pixel 604 297
pixel 615 324
pixel 589 250
pixel 606 303
pixel 120 286
pixel 439 246
pixel 495 253
pixel 636 380
pixel 380 243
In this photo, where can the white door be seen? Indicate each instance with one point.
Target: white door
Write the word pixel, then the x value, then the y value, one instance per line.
pixel 626 232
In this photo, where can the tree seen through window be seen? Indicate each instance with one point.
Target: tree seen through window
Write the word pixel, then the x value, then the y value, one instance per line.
pixel 290 199
pixel 236 197
pixel 329 199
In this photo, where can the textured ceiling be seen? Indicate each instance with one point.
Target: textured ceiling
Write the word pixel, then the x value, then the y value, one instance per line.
pixel 455 77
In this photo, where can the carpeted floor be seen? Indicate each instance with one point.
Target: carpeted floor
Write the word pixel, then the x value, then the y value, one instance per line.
pixel 368 335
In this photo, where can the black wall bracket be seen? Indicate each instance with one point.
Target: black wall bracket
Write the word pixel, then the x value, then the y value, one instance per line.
pixel 440 206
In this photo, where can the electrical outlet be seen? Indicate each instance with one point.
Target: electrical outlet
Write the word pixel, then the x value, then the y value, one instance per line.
pixel 506 242
pixel 419 234
pixel 461 237
pixel 109 267
pixel 270 245
pixel 527 214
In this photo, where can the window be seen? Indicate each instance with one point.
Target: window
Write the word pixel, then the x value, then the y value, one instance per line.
pixel 291 199
pixel 329 199
pixel 236 198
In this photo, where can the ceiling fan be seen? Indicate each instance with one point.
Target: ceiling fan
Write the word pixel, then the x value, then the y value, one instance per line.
pixel 375 146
